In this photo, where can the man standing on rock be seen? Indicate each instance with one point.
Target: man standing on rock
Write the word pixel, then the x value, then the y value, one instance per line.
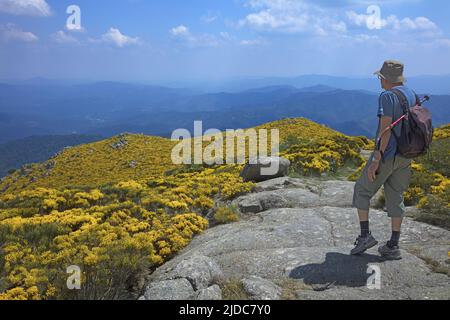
pixel 385 167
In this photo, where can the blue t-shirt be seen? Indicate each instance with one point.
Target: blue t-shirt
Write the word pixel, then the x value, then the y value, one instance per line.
pixel 389 106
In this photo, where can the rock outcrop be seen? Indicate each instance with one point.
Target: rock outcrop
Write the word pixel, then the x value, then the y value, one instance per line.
pixel 294 243
pixel 195 277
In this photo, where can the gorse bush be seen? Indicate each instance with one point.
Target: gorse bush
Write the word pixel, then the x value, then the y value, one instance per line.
pixel 110 243
pixel 224 215
pixel 431 173
pixel 112 232
pixel 323 155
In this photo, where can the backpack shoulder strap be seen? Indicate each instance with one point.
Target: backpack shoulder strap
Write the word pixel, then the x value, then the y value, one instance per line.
pixel 403 100
pixel 418 102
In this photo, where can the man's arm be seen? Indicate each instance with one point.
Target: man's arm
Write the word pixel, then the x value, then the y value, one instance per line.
pixel 386 133
pixel 386 114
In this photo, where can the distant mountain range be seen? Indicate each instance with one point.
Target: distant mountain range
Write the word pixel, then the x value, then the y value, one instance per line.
pixel 42 107
pixel 424 84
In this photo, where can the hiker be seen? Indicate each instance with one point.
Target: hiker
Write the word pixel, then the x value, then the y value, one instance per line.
pixel 386 166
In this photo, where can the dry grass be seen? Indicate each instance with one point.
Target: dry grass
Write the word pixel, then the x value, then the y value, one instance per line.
pixel 233 290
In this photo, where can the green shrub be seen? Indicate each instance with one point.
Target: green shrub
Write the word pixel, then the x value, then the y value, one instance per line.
pixel 226 215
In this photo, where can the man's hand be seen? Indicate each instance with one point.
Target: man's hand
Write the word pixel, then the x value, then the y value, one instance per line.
pixel 374 166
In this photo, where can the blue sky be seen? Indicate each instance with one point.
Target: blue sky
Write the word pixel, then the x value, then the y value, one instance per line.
pixel 149 40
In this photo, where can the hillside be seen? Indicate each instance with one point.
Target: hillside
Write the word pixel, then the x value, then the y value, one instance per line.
pixel 16 153
pixel 116 159
pixel 127 157
pixel 119 209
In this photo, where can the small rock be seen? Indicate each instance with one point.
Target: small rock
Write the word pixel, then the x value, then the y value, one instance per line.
pixel 273 201
pixel 261 289
pixel 50 165
pixel 121 143
pixel 178 289
pixel 212 293
pixel 249 205
pixel 133 164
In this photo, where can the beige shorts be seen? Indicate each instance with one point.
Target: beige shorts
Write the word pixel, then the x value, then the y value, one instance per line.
pixel 395 175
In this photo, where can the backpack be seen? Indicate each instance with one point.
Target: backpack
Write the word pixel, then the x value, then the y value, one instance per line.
pixel 417 131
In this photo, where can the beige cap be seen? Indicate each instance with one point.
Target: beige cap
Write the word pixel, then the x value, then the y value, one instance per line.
pixel 392 71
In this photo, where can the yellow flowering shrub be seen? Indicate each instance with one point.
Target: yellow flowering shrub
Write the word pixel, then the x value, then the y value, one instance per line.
pixel 325 155
pixel 430 183
pixel 442 133
pixel 226 215
pixel 111 231
pixel 413 194
pixel 109 243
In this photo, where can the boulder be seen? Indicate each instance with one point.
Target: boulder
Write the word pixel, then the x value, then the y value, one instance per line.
pixel 254 170
pixel 199 270
pixel 177 289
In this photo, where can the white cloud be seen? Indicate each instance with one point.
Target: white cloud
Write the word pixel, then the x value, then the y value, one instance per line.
pixel 11 33
pixel 63 38
pixel 364 38
pixel 115 37
pixel 225 35
pixel 419 23
pixel 183 33
pixel 291 16
pixel 398 32
pixel 74 29
pixel 393 22
pixel 209 18
pixel 445 42
pixel 26 7
pixel 253 42
pixel 180 31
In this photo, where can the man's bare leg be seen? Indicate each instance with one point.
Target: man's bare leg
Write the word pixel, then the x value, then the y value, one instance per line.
pixel 397 224
pixel 363 215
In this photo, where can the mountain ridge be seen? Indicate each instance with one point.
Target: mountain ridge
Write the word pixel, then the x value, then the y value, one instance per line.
pixel 110 108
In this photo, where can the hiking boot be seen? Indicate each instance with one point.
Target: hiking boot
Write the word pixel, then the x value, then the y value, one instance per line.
pixel 363 244
pixel 390 252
